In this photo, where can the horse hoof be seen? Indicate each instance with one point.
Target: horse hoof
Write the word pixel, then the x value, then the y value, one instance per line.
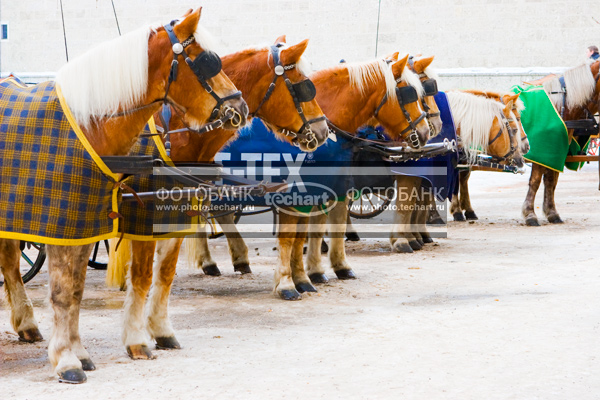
pixel 211 270
pixel 243 268
pixel 421 242
pixel 167 343
pixel 555 219
pixel 303 287
pixel 352 237
pixel 88 365
pixel 532 222
pixel 345 274
pixel 471 216
pixel 318 278
pixel 290 294
pixel 74 376
pixel 140 352
pixel 30 335
pixel 427 239
pixel 324 247
pixel 415 245
pixel 402 248
pixel 436 221
pixel 458 216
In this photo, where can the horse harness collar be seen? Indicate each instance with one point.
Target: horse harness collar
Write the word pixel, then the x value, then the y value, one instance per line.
pixel 301 92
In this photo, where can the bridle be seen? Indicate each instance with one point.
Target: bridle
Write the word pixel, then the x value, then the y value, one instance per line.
pixel 430 88
pixel 406 95
pixel 512 133
pixel 301 92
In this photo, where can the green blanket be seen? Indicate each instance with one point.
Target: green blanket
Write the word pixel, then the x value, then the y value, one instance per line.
pixel 546 131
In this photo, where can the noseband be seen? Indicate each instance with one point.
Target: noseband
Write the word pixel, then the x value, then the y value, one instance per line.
pixel 301 92
pixel 406 95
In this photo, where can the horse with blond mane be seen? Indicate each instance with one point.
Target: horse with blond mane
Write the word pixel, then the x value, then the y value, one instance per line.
pixel 108 95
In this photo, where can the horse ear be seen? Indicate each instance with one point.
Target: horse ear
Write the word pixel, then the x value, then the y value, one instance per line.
pixel 508 108
pixel 292 54
pixel 188 12
pixel 280 39
pixel 422 64
pixel 188 26
pixel 398 66
pixel 393 56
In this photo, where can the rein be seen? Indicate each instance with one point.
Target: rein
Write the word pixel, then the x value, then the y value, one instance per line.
pixel 301 92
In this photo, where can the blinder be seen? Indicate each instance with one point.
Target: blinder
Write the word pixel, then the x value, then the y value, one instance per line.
pixel 430 87
pixel 407 95
pixel 206 65
pixel 305 91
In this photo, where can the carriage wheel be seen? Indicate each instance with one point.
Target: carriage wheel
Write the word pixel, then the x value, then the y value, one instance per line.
pixel 368 205
pixel 33 256
pixel 99 261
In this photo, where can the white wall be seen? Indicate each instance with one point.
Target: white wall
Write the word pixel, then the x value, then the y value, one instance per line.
pixel 460 33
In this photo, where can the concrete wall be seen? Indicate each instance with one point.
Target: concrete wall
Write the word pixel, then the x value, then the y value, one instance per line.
pixel 460 33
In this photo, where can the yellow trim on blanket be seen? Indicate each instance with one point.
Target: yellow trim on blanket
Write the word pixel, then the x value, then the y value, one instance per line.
pixel 57 241
pixel 82 137
pixel 159 144
pixel 14 81
pixel 538 163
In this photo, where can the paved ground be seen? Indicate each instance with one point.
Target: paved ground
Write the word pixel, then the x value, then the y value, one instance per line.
pixel 497 310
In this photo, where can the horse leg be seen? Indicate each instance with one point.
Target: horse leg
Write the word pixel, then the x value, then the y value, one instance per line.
pixel 351 233
pixel 465 198
pixel 198 253
pixel 157 309
pixel 67 267
pixel 237 247
pixel 139 280
pixel 317 224
pixel 529 204
pixel 299 276
pixel 21 309
pixel 455 204
pixel 425 205
pixel 550 181
pixel 338 216
pixel 415 228
pixel 399 238
pixel 284 284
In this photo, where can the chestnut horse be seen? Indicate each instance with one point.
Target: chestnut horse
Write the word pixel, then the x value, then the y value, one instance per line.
pixel 462 201
pixel 582 93
pixel 112 91
pixel 351 95
pixel 483 125
pixel 336 217
pixel 252 71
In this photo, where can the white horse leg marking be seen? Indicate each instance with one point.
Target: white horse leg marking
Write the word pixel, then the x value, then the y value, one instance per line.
pixel 198 253
pixel 399 237
pixel 139 279
pixel 317 227
pixel 338 216
pixel 67 267
pixel 21 309
pixel 157 308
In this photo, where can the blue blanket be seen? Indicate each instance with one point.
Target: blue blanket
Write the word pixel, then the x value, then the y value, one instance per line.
pixel 439 173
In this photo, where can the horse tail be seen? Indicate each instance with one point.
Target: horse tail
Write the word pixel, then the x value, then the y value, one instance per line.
pixel 119 262
pixel 192 252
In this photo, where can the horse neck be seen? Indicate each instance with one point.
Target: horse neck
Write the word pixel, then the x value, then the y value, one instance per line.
pixel 342 104
pixel 249 72
pixel 117 135
pixel 191 147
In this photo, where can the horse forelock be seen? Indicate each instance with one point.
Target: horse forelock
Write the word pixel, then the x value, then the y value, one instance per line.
pixel 474 116
pixel 413 80
pixel 365 74
pixel 112 75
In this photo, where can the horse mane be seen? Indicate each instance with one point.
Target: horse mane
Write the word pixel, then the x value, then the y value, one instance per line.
pixel 365 73
pixel 112 75
pixel 474 115
pixel 580 85
pixel 496 95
